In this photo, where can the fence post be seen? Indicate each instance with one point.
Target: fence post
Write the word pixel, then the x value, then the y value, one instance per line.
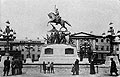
pixel 40 68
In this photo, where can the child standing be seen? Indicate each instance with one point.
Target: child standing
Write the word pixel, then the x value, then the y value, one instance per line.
pixel 48 67
pixel 73 69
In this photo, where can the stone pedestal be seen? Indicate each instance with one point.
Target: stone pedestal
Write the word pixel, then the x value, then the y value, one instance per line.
pixel 3 58
pixel 58 53
pixel 108 61
pixel 28 60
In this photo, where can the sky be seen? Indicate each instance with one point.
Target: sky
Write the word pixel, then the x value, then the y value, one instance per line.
pixel 29 17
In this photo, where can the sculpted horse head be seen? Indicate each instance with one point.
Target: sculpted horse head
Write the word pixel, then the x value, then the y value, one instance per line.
pixel 52 16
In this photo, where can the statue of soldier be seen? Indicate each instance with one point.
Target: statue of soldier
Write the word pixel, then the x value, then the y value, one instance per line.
pixel 63 39
pixel 52 38
pixel 56 34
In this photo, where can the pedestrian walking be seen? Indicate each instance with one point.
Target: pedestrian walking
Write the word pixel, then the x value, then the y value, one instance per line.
pixel 113 68
pixel 44 67
pixel 77 67
pixel 6 66
pixel 52 67
pixel 48 67
pixel 73 69
pixel 13 66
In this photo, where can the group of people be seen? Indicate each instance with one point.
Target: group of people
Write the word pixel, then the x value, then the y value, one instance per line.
pixel 48 68
pixel 75 68
pixel 15 65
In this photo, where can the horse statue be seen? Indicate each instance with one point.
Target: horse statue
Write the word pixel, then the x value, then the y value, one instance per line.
pixel 57 19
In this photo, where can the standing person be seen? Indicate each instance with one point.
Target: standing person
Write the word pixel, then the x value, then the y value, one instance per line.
pixel 16 66
pixel 6 66
pixel 44 67
pixel 92 68
pixel 113 67
pixel 20 66
pixel 77 67
pixel 52 67
pixel 13 66
pixel 48 67
pixel 73 69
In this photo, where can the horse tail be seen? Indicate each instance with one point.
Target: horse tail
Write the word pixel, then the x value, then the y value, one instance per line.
pixel 67 23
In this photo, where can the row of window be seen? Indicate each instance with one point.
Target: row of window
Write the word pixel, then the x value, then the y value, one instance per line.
pixel 33 56
pixel 102 40
pixel 67 51
pixel 107 48
pixel 32 50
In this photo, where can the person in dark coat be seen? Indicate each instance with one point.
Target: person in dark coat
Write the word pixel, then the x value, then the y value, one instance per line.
pixel 20 66
pixel 13 66
pixel 52 67
pixel 17 66
pixel 77 67
pixel 44 67
pixel 92 68
pixel 6 66
pixel 113 67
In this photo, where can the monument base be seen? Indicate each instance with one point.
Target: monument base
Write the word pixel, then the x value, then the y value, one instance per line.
pixel 85 61
pixel 58 53
pixel 108 61
pixel 3 58
pixel 28 60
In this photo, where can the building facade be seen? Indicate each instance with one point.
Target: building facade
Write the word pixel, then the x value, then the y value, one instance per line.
pixel 96 45
pixel 24 47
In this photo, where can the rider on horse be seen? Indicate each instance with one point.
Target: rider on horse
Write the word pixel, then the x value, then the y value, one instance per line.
pixel 57 16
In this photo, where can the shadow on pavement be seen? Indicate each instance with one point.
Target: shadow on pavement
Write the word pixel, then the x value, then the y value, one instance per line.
pixel 110 75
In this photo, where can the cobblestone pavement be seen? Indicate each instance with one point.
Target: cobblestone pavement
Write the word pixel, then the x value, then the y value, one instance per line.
pixel 62 72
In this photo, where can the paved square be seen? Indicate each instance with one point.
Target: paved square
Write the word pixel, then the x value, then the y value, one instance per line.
pixel 62 72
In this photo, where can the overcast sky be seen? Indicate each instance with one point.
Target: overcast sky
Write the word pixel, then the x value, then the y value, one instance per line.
pixel 29 17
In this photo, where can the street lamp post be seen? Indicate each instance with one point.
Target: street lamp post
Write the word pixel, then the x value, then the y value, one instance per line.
pixel 7 35
pixel 29 47
pixel 111 35
pixel 85 50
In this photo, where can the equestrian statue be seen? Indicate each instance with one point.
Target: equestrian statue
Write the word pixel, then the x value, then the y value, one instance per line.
pixel 55 18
